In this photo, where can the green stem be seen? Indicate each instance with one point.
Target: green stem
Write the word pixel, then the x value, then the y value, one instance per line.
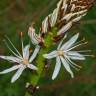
pixel 40 59
pixel 27 94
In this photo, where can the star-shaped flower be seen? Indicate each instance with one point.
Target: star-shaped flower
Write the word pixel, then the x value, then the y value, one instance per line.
pixel 23 61
pixel 65 54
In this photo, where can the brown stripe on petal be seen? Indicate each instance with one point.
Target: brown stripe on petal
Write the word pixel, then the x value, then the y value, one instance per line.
pixel 60 12
pixel 49 24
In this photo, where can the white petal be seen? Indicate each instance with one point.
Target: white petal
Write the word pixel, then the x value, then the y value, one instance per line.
pixel 67 16
pixel 65 8
pixel 26 51
pixel 54 17
pixel 10 69
pixel 61 42
pixel 59 3
pixel 78 18
pixel 73 7
pixel 11 58
pixel 65 28
pixel 50 55
pixel 70 42
pixel 57 68
pixel 45 24
pixel 67 67
pixel 81 12
pixel 75 55
pixel 31 66
pixel 34 53
pixel 18 74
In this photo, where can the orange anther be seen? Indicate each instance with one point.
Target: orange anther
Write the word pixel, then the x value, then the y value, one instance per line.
pixel 21 34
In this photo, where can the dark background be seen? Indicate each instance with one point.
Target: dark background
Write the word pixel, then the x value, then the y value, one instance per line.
pixel 16 16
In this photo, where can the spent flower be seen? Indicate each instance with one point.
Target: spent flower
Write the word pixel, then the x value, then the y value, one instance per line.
pixel 35 38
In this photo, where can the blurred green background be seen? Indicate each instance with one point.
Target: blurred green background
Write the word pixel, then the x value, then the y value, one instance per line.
pixel 16 16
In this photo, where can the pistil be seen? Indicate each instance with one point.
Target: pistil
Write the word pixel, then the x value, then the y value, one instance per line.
pixel 25 61
pixel 60 52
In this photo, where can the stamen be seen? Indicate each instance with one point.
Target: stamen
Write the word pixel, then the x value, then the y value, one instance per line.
pixel 84 51
pixel 77 69
pixel 11 49
pixel 83 40
pixel 76 46
pixel 89 55
pixel 73 63
pixel 13 46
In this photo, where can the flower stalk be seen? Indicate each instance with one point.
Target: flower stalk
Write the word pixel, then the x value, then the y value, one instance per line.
pixel 48 44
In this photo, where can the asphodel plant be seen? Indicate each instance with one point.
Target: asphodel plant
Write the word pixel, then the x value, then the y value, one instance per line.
pixel 54 28
pixel 53 32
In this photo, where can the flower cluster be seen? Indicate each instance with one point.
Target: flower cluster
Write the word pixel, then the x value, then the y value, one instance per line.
pixel 62 18
pixel 66 13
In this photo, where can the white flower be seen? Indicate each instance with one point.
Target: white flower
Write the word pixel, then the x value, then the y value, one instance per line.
pixel 23 61
pixel 65 54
